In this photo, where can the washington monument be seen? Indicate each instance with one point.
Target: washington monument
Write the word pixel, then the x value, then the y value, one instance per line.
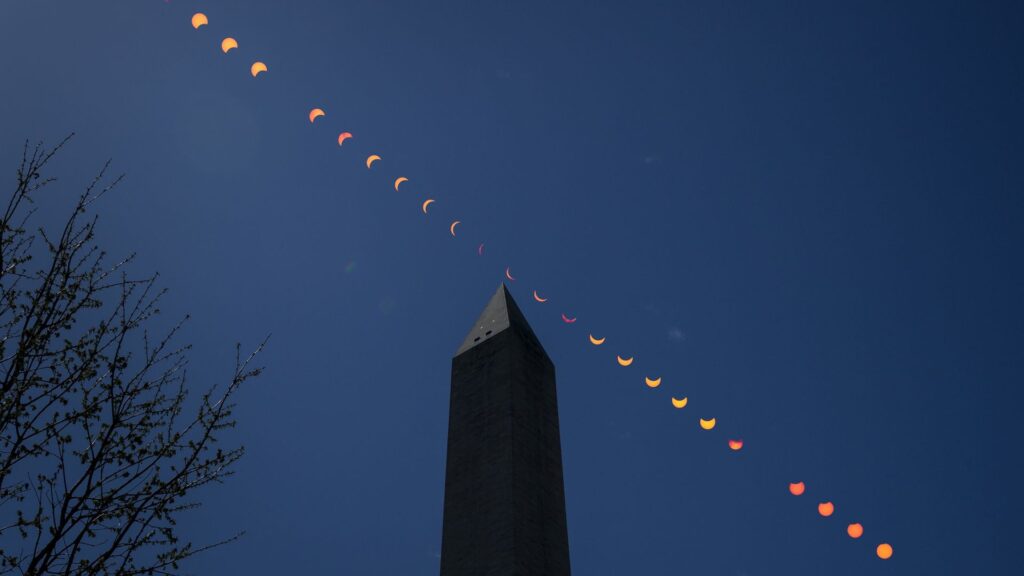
pixel 504 501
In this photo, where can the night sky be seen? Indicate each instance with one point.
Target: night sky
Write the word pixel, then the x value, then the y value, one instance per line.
pixel 805 216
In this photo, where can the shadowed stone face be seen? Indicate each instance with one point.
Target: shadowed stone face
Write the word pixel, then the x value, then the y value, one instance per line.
pixel 492 320
pixel 504 506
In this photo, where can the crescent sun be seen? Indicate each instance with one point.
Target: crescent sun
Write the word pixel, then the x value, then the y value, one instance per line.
pixel 508 274
pixel 624 361
pixel 452 227
pixel 315 113
pixel 538 298
pixel 228 44
pixel 370 160
pixel 427 203
pixel 257 68
pixel 568 320
pixel 480 249
pixel 653 382
pixel 398 182
pixel 596 341
pixel 199 19
pixel 708 424
pixel 680 403
pixel 343 136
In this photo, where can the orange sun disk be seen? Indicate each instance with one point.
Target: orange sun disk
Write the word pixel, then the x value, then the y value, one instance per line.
pixel 826 509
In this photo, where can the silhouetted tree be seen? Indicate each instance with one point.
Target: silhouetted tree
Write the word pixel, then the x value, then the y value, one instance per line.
pixel 99 448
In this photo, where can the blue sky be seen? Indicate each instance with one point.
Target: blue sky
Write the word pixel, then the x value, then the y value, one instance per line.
pixel 804 216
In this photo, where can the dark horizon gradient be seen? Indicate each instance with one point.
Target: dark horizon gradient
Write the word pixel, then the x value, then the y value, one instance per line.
pixel 804 216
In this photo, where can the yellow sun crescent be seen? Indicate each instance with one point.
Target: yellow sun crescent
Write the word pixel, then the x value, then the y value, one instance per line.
pixel 681 403
pixel 624 361
pixel 708 424
pixel 316 113
pixel 452 227
pixel 370 160
pixel 199 19
pixel 398 182
pixel 596 341
pixel 257 67
pixel 653 382
pixel 427 203
pixel 227 44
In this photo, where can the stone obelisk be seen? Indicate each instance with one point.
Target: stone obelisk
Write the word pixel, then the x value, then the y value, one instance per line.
pixel 504 501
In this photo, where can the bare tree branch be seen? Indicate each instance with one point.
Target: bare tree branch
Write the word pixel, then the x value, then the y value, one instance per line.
pixel 99 450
